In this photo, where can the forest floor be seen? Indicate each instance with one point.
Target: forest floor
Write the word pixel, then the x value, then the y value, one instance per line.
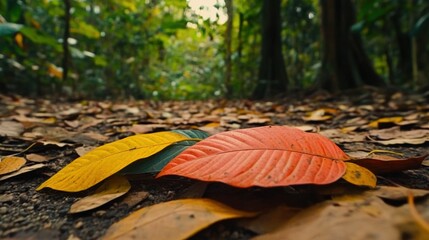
pixel 51 134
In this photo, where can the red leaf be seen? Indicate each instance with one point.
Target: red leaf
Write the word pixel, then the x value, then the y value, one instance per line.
pixel 381 164
pixel 263 156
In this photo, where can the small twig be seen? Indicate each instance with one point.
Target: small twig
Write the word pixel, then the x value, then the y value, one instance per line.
pixel 417 217
pixel 23 151
pixel 385 151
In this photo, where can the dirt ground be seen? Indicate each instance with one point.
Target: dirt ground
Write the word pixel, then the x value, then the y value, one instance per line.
pixel 29 214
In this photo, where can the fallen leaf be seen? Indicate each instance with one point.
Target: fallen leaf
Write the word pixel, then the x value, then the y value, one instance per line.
pixel 270 220
pixel 196 190
pixel 412 141
pixel 262 156
pixel 82 150
pixel 395 132
pixel 56 134
pixel 158 161
pixel 359 176
pixel 319 115
pixel 212 128
pixel 23 170
pixel 387 121
pixel 339 219
pixel 11 128
pixel 306 128
pixel 260 121
pixel 102 162
pixel 177 219
pixel 36 157
pixel 197 134
pixel 396 193
pixel 134 198
pixel 338 136
pixel 95 136
pixel 421 221
pixel 111 189
pixel 380 164
pixel 146 128
pixel 10 164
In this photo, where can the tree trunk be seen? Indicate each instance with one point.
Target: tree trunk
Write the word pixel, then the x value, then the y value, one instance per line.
pixel 66 36
pixel 345 64
pixel 228 43
pixel 272 78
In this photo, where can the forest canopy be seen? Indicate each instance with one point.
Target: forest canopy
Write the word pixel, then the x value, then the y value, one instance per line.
pixel 191 49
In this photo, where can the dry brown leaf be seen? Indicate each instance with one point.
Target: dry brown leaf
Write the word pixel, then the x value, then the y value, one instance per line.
pixel 338 136
pixel 134 198
pixel 259 121
pixel 271 220
pixel 36 158
pixel 95 136
pixel 212 128
pixel 347 218
pixel 380 164
pixel 56 134
pixel 146 128
pixel 178 219
pixel 319 115
pixel 111 189
pixel 196 190
pixel 73 124
pixel 23 170
pixel 412 141
pixel 396 193
pixel 307 128
pixel 396 133
pixel 11 128
pixel 83 150
pixel 10 164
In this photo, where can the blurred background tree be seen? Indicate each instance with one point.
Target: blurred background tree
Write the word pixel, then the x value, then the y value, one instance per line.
pixel 191 49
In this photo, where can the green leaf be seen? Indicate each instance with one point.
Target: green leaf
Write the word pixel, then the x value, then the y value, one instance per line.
pixel 40 38
pixel 9 28
pixel 193 133
pixel 100 61
pixel 85 29
pixel 157 162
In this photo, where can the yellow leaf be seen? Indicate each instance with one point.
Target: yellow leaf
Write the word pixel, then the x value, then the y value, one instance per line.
pixel 11 164
pixel 19 39
pixel 112 188
pixel 359 176
pixel 377 122
pixel 23 170
pixel 317 116
pixel 177 219
pixel 102 162
pixel 55 71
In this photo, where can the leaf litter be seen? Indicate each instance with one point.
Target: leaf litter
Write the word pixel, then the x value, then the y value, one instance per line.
pixel 114 121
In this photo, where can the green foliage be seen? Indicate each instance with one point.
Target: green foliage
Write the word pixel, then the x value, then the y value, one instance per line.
pixel 395 34
pixel 164 49
pixel 9 28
